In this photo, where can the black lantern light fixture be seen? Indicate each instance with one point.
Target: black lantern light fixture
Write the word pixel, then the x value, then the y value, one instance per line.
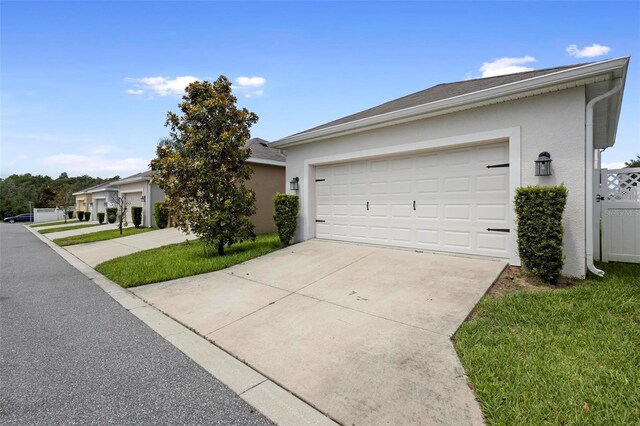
pixel 543 164
pixel 293 185
pixel 143 198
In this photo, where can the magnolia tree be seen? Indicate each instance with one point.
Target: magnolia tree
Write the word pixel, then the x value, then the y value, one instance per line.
pixel 202 165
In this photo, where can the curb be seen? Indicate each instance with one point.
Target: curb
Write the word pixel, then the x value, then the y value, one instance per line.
pixel 274 402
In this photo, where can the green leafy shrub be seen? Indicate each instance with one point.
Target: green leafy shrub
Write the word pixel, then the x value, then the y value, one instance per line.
pixel 112 214
pixel 161 213
pixel 101 217
pixel 286 216
pixel 70 214
pixel 80 215
pixel 87 216
pixel 136 215
pixel 539 215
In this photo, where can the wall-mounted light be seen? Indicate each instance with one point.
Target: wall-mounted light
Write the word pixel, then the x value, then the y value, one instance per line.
pixel 143 198
pixel 543 164
pixel 105 204
pixel 293 185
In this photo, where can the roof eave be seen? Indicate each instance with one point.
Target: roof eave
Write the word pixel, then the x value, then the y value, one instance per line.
pixel 267 162
pixel 445 105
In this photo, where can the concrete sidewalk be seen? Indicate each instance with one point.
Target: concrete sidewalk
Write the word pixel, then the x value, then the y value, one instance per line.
pixel 362 333
pixel 100 251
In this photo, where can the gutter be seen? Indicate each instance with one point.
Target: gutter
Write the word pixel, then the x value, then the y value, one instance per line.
pixel 589 175
pixel 441 106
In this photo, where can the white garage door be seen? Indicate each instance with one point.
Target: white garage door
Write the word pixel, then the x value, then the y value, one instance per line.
pixel 444 201
pixel 135 199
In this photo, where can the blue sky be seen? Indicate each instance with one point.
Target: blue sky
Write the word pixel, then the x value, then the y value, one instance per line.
pixel 86 85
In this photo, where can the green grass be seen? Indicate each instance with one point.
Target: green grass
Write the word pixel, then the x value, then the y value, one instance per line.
pixel 108 234
pixel 561 357
pixel 68 228
pixel 61 222
pixel 181 260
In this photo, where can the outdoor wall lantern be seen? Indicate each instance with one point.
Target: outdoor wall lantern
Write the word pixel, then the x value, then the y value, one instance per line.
pixel 293 185
pixel 143 198
pixel 543 164
pixel 105 204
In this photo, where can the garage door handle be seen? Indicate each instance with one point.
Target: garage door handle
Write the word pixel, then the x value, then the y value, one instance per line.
pixel 367 206
pixel 414 204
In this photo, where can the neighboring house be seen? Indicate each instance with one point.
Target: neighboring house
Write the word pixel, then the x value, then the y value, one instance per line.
pixel 102 198
pixel 268 178
pixel 92 199
pixel 437 170
pixel 139 191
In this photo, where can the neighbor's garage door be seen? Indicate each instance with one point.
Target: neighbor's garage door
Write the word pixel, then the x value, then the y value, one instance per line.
pixel 442 201
pixel 135 199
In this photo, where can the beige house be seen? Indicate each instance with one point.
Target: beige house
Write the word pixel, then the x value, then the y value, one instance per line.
pixel 268 178
pixel 94 199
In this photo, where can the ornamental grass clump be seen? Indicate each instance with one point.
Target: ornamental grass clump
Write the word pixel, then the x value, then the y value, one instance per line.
pixel 539 212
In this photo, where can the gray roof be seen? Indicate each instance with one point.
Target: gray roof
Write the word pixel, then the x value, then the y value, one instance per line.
pixel 260 150
pixel 440 92
pixel 104 185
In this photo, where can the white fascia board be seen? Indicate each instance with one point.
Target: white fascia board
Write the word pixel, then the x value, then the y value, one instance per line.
pixel 268 162
pixel 133 180
pixel 445 105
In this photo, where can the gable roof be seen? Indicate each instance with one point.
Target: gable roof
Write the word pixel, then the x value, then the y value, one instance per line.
pixel 262 153
pixel 448 97
pixel 95 188
pixel 442 91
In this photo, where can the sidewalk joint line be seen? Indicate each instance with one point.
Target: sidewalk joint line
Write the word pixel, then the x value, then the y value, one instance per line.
pixel 254 386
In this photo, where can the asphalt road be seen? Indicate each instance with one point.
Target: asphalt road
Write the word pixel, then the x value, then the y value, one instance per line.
pixel 69 354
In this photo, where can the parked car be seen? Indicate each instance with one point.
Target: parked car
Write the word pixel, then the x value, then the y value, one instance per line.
pixel 24 217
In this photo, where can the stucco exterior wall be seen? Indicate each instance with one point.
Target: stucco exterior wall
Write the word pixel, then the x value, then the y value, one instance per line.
pixel 132 188
pixel 82 202
pixel 157 196
pixel 552 122
pixel 266 181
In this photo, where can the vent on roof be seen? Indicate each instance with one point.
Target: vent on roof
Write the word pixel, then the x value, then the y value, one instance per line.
pixel 264 144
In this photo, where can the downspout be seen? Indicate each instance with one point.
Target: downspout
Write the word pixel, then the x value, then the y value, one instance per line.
pixel 147 204
pixel 589 176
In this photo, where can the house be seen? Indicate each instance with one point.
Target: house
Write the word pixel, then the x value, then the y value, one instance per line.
pixel 139 190
pixel 268 178
pixel 94 199
pixel 437 170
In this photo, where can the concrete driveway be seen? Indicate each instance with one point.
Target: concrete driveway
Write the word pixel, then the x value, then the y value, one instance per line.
pixel 80 231
pixel 97 252
pixel 359 332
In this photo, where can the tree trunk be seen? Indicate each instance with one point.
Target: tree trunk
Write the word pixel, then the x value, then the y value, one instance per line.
pixel 220 249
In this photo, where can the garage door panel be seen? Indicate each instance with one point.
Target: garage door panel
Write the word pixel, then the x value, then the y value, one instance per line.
pixel 499 183
pixel 438 201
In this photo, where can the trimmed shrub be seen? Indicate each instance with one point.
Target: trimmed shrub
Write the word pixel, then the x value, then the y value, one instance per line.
pixel 80 215
pixel 101 217
pixel 136 216
pixel 70 214
pixel 161 214
pixel 539 215
pixel 112 214
pixel 286 215
pixel 87 216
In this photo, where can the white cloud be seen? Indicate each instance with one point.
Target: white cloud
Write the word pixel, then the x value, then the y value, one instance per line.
pixel 249 86
pixel 162 86
pixel 504 66
pixel 589 51
pixel 95 164
pixel 103 149
pixel 614 165
pixel 251 81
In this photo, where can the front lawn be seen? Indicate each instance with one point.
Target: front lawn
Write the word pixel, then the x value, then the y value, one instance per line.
pixel 181 260
pixel 67 228
pixel 108 234
pixel 61 222
pixel 568 356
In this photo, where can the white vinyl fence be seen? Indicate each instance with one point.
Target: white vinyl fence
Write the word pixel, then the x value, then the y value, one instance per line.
pixel 48 214
pixel 620 214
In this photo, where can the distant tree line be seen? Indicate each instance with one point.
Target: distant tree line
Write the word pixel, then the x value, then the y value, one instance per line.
pixel 17 190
